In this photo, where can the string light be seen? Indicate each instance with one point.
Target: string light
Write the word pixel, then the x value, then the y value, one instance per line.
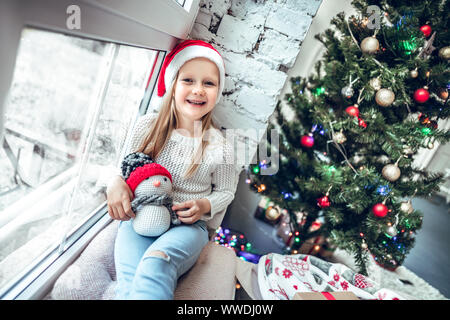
pixel 255 169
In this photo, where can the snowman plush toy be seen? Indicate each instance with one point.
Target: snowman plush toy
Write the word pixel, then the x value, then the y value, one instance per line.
pixel 151 185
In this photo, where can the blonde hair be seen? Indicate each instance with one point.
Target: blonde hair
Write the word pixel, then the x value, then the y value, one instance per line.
pixel 160 131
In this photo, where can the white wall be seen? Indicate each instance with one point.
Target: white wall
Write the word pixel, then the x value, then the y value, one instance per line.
pixel 259 41
pixel 311 49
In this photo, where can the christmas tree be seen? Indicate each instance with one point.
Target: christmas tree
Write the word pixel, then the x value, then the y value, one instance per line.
pixel 346 159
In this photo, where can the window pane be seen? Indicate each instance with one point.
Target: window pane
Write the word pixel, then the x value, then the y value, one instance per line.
pixel 181 2
pixel 71 104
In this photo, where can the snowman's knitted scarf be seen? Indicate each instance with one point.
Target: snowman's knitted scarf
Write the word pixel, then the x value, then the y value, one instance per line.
pixel 157 200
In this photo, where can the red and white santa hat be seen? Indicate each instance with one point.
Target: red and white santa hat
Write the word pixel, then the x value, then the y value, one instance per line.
pixel 183 52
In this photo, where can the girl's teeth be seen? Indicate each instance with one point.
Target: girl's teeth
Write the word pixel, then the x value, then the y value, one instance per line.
pixel 198 103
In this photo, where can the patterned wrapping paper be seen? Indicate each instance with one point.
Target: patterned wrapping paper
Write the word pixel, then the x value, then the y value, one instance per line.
pixel 281 276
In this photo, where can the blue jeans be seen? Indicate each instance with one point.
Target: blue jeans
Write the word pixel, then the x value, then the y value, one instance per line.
pixel 141 276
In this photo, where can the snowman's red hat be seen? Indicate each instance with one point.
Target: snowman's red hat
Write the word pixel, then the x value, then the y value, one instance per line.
pixel 148 170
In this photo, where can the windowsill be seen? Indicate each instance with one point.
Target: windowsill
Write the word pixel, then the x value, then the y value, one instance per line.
pixel 35 282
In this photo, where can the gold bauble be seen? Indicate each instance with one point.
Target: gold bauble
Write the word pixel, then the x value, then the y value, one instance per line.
pixel 444 53
pixel 370 45
pixel 272 213
pixel 414 73
pixel 391 172
pixel 406 207
pixel 384 97
pixel 375 83
pixel 443 93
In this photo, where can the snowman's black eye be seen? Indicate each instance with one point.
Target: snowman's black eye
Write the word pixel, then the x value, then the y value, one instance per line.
pixel 165 179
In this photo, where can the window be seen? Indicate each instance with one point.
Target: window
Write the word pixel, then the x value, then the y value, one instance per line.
pixel 68 98
pixel 181 2
pixel 186 4
pixel 70 107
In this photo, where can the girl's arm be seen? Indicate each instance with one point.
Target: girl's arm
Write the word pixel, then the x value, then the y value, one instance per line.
pixel 224 179
pixel 118 193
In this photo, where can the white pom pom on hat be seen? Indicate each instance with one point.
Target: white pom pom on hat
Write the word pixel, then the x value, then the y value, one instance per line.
pixel 183 52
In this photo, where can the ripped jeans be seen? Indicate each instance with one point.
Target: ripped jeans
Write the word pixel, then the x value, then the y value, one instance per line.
pixel 142 275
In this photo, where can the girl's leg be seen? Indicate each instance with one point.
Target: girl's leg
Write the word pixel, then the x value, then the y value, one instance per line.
pixel 128 251
pixel 171 255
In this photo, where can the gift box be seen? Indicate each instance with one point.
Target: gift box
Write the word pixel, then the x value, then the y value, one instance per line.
pixel 312 246
pixel 337 295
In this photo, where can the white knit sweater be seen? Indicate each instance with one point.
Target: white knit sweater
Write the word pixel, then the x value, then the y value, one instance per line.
pixel 216 177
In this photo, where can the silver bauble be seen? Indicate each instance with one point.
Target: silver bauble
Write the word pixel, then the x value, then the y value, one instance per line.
pixel 384 97
pixel 430 145
pixel 364 245
pixel 391 172
pixel 392 231
pixel 375 83
pixel 407 150
pixel 347 92
pixel 370 45
pixel 339 137
pixel 406 207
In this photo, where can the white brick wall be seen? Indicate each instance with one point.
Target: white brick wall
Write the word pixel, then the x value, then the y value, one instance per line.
pixel 259 41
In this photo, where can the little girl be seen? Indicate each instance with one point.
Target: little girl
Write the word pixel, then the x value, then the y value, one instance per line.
pixel 183 139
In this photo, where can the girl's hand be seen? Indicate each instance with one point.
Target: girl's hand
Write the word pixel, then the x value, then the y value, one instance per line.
pixel 195 210
pixel 118 198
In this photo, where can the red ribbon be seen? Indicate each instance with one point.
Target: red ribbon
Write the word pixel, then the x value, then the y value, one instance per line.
pixel 316 241
pixel 328 296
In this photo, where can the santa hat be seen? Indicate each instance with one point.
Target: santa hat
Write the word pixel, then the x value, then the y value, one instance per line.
pixel 183 52
pixel 137 166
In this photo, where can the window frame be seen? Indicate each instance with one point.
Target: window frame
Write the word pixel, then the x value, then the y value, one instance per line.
pixel 112 21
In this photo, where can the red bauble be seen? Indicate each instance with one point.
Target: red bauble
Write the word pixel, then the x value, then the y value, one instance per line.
pixel 307 141
pixel 380 210
pixel 362 123
pixel 426 30
pixel 353 111
pixel 323 202
pixel 421 95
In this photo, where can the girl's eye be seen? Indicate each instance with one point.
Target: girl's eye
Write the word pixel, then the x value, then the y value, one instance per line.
pixel 187 80
pixel 209 83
